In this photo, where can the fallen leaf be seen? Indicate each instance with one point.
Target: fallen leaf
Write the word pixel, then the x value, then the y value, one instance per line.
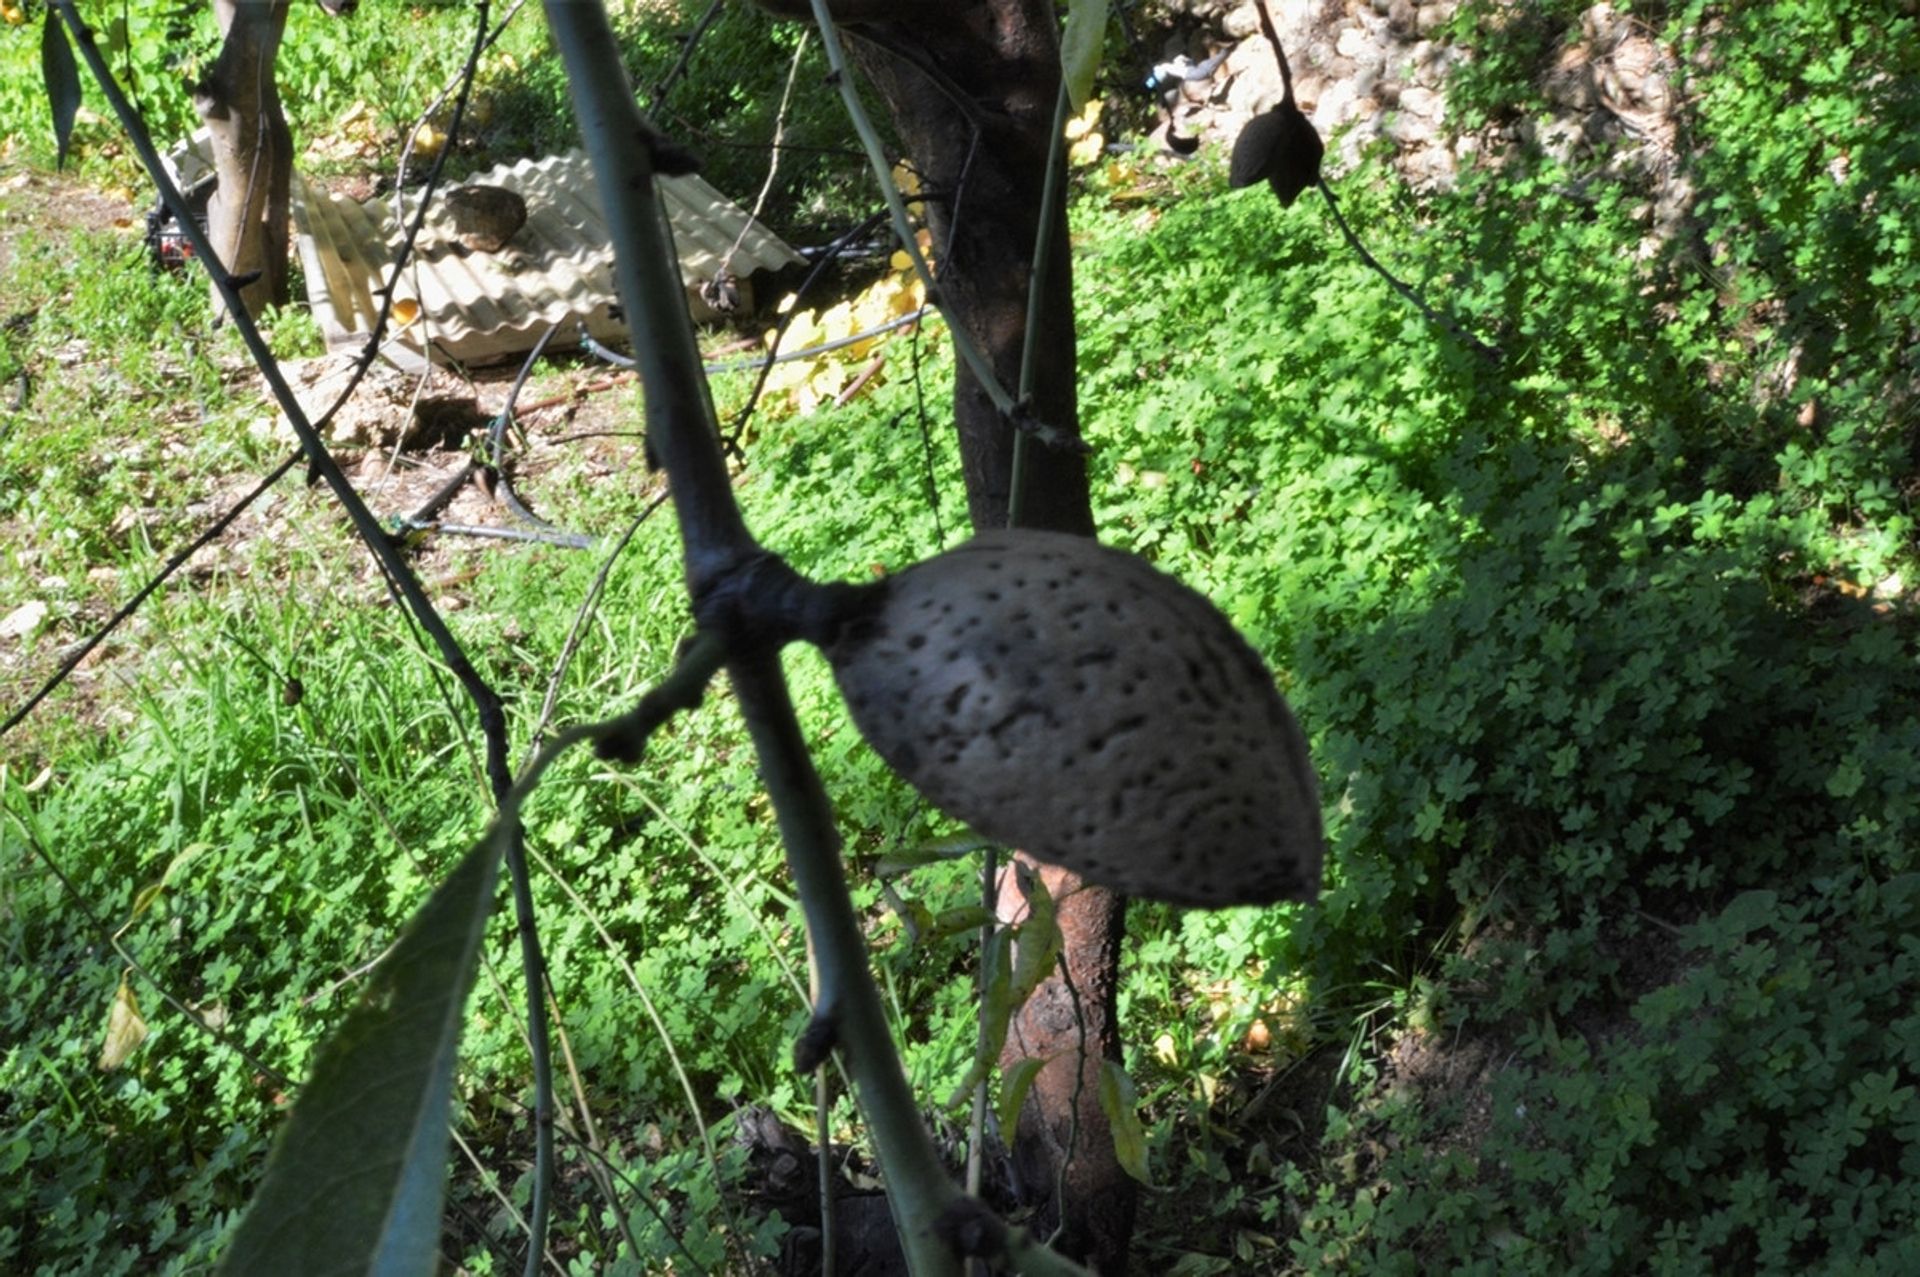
pixel 125 1029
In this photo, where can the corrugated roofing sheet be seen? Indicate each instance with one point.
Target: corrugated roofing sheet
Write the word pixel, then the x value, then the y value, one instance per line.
pixel 479 307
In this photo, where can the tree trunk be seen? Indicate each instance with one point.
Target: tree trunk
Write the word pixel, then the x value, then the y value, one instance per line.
pixel 252 150
pixel 972 91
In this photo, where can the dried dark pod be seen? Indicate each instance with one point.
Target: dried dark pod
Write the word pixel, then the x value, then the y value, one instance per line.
pixel 1280 147
pixel 1076 702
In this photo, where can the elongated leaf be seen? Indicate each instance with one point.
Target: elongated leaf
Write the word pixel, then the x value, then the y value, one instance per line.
pixel 1122 1107
pixel 62 75
pixel 1014 1086
pixel 1040 940
pixel 996 1008
pixel 1080 47
pixel 357 1180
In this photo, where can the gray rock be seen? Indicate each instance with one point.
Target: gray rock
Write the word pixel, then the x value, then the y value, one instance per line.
pixel 485 217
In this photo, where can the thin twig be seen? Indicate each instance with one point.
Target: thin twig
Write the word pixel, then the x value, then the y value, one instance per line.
pixel 1489 353
pixel 1079 1086
pixel 619 955
pixel 1037 290
pixel 399 576
pixel 678 70
pixel 1279 51
pixel 492 1183
pixel 127 609
pixel 581 616
pixel 595 1169
pixel 773 159
pixel 766 362
pixel 715 543
pixel 963 342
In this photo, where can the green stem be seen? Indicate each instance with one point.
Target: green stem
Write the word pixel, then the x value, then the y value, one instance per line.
pixel 1043 248
pixel 487 703
pixel 902 226
pixel 680 426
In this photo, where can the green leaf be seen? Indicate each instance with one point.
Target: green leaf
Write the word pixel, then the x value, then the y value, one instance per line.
pixel 62 75
pixel 996 1009
pixel 895 863
pixel 145 898
pixel 1122 1107
pixel 1080 47
pixel 1013 1092
pixel 958 920
pixel 357 1180
pixel 1749 911
pixel 1040 939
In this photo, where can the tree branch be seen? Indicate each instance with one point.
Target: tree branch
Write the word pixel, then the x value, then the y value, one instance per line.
pixel 681 429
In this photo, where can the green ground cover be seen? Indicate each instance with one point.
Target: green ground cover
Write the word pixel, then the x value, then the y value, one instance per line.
pixel 1607 655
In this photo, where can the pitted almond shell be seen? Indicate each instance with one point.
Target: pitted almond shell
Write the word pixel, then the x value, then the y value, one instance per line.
pixel 1076 702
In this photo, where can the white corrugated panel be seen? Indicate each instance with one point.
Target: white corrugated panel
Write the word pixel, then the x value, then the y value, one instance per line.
pixel 481 307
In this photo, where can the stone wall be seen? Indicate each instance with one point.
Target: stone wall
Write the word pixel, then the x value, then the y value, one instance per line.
pixel 1374 71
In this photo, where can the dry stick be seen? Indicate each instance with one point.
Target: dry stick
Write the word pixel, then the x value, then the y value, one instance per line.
pixel 773 356
pixel 498 985
pixel 773 159
pixel 132 605
pixel 1016 501
pixel 635 1189
pixel 688 43
pixel 1043 249
pixel 653 1014
pixel 824 1142
pixel 1079 1083
pixel 399 576
pixel 963 341
pixel 491 1182
pixel 929 459
pixel 596 1171
pixel 580 618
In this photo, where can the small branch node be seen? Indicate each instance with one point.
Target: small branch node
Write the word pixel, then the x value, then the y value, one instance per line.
pixel 624 739
pixel 972 1231
pixel 1023 420
pixel 817 1041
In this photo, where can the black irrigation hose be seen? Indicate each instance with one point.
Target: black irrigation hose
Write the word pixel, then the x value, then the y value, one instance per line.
pixel 424 520
pixel 618 360
pixel 502 482
pixel 570 540
pixel 442 495
pixel 604 353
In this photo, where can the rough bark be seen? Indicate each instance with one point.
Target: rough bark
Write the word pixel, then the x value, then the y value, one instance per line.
pixel 239 102
pixel 971 88
pixel 1064 1138
pixel 972 96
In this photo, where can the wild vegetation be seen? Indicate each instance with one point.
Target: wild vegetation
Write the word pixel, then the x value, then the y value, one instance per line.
pixel 1606 654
